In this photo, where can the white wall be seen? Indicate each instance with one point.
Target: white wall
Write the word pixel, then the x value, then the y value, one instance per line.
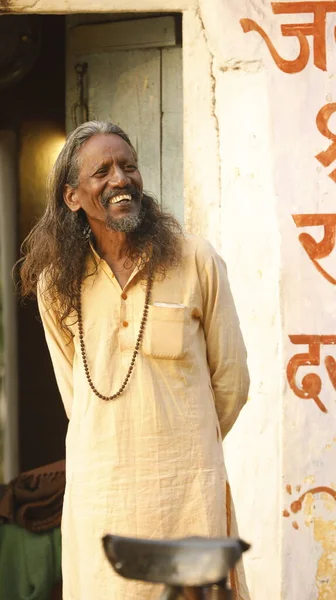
pixel 268 141
pixel 231 200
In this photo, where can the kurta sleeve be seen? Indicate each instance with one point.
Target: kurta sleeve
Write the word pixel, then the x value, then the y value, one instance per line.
pixel 226 351
pixel 61 350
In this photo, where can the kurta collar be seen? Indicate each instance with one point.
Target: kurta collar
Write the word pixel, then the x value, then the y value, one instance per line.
pixel 100 261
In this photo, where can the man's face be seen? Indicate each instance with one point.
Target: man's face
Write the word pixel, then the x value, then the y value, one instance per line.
pixel 110 184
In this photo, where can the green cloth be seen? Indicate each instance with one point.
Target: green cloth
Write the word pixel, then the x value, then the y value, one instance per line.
pixel 30 563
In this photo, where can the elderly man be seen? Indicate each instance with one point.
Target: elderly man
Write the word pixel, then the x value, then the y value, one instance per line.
pixel 148 356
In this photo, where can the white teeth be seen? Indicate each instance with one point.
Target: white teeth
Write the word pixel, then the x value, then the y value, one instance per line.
pixel 119 198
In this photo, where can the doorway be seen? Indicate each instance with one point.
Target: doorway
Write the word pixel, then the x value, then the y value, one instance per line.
pixel 134 78
pixel 130 72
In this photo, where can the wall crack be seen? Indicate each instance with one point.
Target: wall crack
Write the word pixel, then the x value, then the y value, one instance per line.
pixel 213 103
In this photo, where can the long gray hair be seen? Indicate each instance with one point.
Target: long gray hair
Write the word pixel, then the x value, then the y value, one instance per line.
pixel 58 244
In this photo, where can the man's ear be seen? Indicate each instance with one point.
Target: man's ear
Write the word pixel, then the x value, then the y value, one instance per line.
pixel 70 198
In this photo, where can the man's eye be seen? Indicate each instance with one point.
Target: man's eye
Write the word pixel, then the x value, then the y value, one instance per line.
pixel 100 172
pixel 130 168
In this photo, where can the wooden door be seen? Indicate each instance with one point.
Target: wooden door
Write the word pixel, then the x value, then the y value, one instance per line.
pixel 134 79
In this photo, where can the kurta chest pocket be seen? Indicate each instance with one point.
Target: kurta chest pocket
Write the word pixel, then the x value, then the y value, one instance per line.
pixel 166 332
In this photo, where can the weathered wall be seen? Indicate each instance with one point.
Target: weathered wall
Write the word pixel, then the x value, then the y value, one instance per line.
pixel 274 96
pixel 251 177
pixel 230 199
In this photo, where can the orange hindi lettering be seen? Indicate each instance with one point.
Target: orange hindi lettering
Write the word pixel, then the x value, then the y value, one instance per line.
pixel 317 29
pixel 296 506
pixel 326 157
pixel 317 250
pixel 311 384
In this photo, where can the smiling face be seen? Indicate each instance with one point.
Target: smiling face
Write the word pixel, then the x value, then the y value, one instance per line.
pixel 109 186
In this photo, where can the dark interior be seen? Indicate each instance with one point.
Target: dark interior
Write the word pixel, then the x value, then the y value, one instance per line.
pixel 36 103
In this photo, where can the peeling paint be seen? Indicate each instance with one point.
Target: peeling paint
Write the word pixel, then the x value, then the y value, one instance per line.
pixel 310 479
pixel 328 502
pixel 309 509
pixel 325 534
pixel 248 66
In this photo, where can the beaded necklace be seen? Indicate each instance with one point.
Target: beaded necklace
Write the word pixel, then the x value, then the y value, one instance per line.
pixel 135 352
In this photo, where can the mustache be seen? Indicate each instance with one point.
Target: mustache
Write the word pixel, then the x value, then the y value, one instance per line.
pixel 129 189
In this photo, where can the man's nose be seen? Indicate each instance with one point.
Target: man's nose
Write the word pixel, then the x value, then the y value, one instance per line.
pixel 118 178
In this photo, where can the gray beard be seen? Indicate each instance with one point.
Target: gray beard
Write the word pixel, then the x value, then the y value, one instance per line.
pixel 124 224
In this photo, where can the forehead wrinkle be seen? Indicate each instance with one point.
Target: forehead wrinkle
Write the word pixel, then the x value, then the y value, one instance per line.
pixel 107 155
pixel 110 158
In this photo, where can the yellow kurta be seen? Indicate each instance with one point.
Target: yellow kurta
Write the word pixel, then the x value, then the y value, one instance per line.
pixel 149 464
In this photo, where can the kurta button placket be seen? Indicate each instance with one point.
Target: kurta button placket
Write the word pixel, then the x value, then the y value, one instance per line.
pixel 126 323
